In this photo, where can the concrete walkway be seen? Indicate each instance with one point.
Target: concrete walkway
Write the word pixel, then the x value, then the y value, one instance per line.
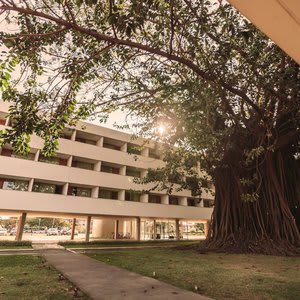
pixel 101 281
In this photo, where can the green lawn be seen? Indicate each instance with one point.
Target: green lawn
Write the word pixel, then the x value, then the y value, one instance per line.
pixel 27 277
pixel 124 243
pixel 15 245
pixel 219 276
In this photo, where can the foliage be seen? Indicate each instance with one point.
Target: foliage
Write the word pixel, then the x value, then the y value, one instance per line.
pixel 16 244
pixel 46 222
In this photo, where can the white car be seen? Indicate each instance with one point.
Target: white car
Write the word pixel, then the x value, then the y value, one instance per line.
pixel 3 231
pixel 52 231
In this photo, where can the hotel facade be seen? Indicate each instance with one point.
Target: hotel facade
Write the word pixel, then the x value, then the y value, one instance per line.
pixel 91 178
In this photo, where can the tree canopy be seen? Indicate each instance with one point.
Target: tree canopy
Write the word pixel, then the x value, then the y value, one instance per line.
pixel 227 94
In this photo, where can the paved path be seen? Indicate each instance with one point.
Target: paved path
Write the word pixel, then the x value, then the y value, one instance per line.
pixel 104 282
pixel 43 245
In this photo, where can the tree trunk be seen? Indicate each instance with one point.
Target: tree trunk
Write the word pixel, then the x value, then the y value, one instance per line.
pixel 245 225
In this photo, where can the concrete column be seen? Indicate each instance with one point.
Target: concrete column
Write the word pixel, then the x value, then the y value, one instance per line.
pixel 30 185
pixel 145 152
pixel 37 155
pixel 73 136
pixel 154 230
pixel 183 201
pixel 144 198
pixel 88 228
pixel 164 199
pixel 123 170
pixel 116 229
pixel 97 166
pixel 20 228
pixel 177 229
pixel 69 161
pixel 200 203
pixel 121 195
pixel 144 173
pixel 100 142
pixel 206 228
pixel 124 147
pixel 95 192
pixel 7 121
pixel 138 228
pixel 73 229
pixel 65 189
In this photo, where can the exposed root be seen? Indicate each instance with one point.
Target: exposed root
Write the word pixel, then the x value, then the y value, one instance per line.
pixel 264 246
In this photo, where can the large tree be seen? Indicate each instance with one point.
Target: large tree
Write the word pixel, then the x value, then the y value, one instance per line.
pixel 228 95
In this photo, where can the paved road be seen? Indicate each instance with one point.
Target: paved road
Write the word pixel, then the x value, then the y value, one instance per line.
pixel 104 282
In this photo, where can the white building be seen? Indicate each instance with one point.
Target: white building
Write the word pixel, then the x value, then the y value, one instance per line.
pixel 92 178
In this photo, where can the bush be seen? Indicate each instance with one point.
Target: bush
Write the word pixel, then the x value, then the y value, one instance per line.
pixel 15 243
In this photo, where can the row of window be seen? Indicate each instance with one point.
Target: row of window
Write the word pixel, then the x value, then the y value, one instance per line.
pixel 76 163
pixel 105 166
pixel 42 187
pixel 92 139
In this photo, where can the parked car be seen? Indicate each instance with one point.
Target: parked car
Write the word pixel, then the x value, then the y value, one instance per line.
pixel 64 231
pixel 52 231
pixel 69 232
pixel 3 231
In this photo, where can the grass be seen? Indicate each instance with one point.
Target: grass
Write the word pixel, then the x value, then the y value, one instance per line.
pixel 15 245
pixel 27 277
pixel 95 244
pixel 220 276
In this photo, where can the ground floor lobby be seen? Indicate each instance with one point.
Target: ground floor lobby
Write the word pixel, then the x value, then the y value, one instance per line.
pixel 32 226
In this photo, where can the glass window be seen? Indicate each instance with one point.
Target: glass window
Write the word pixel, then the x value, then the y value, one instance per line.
pixel 29 156
pixel 154 199
pixel 44 188
pixel 208 203
pixel 79 191
pixel 16 185
pixel 108 194
pixel 175 178
pixel 132 196
pixel 86 141
pixel 173 200
pixel 154 154
pixel 111 146
pixel 191 202
pixel 50 160
pixel 134 172
pixel 83 165
pixel 109 169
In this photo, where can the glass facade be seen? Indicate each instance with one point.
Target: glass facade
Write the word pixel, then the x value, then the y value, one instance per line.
pixel 190 230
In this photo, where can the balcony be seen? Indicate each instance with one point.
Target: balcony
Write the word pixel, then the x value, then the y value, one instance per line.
pixel 52 203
